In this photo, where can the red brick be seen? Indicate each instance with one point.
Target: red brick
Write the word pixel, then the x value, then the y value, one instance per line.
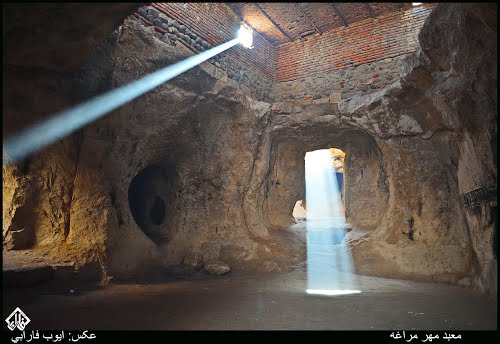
pixel 362 42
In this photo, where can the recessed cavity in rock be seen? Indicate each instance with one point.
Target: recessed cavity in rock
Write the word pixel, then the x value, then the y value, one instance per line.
pixel 146 195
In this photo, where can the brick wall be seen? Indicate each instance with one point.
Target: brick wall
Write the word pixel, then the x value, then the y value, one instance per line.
pixel 370 40
pixel 338 84
pixel 341 63
pixel 200 26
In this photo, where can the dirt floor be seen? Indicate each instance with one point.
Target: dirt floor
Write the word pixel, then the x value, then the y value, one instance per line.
pixel 243 301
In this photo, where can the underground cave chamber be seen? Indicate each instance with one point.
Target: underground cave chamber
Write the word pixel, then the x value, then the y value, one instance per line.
pixel 206 175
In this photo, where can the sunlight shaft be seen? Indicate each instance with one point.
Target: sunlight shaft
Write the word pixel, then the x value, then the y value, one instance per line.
pixel 61 124
pixel 329 261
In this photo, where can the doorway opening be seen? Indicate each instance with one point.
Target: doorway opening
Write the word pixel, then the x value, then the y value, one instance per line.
pixel 333 161
pixel 329 261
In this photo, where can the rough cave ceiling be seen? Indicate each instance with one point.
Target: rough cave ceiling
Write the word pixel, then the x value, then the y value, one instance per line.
pixel 47 35
pixel 285 22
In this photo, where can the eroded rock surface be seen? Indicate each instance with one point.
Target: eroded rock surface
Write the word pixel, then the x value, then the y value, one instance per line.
pixel 225 170
pixel 217 267
pixel 194 260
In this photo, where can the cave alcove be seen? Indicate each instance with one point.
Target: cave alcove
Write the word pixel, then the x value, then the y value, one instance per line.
pixel 363 185
pixel 150 199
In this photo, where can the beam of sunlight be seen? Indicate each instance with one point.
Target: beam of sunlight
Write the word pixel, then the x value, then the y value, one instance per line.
pixel 329 262
pixel 27 141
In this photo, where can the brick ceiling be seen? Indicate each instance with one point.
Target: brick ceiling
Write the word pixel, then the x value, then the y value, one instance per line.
pixel 285 22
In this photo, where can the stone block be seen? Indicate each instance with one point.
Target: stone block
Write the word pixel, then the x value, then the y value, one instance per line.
pixel 208 68
pixel 157 22
pixel 321 100
pixel 194 260
pixel 153 12
pixel 220 74
pixel 307 100
pixel 335 97
pixel 142 12
pixel 271 266
pixel 217 267
pixel 245 89
pixel 233 83
pixel 465 282
pixel 285 107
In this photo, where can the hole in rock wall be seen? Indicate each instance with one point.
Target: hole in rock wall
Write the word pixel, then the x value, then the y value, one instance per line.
pixel 150 196
pixel 157 211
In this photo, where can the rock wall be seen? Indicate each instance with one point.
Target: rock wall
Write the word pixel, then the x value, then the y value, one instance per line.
pixel 463 67
pixel 189 138
pixel 366 190
pixel 447 86
pixel 40 68
pixel 38 192
pixel 419 230
pixel 250 70
pixel 366 194
pixel 227 168
pixel 71 200
pixel 419 125
pixel 339 84
pixel 285 185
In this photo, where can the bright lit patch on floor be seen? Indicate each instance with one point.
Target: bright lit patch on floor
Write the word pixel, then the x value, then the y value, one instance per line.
pixel 331 292
pixel 329 261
